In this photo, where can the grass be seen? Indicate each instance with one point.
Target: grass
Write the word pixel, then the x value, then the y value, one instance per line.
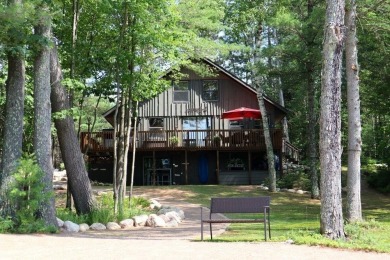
pixel 297 217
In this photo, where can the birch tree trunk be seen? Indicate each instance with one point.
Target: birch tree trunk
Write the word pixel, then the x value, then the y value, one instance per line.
pixel 332 224
pixel 264 115
pixel 81 190
pixel 354 208
pixel 42 114
pixel 14 112
pixel 268 141
pixel 286 134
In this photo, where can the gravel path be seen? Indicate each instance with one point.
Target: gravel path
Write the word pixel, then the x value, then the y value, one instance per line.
pixel 161 243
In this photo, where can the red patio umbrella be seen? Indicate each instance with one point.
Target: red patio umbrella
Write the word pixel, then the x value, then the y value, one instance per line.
pixel 242 112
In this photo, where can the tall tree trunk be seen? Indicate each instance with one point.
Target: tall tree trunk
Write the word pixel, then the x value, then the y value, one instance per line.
pixel 354 208
pixel 286 134
pixel 311 107
pixel 311 133
pixel 76 15
pixel 332 224
pixel 125 108
pixel 268 141
pixel 13 125
pixel 134 150
pixel 84 200
pixel 42 114
pixel 264 115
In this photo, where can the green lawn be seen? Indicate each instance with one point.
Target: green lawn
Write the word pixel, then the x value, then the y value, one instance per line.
pixel 297 217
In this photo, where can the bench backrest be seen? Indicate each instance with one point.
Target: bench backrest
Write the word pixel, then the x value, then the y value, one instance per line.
pixel 239 205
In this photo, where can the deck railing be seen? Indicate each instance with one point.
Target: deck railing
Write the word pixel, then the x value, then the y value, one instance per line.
pixel 193 139
pixel 290 150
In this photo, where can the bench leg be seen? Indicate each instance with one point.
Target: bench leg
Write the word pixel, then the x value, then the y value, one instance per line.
pixel 201 231
pixel 211 232
pixel 201 223
pixel 269 227
pixel 265 230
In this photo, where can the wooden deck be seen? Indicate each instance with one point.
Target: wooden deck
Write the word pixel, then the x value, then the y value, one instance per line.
pixel 248 140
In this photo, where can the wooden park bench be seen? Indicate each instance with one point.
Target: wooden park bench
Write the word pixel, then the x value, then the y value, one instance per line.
pixel 239 205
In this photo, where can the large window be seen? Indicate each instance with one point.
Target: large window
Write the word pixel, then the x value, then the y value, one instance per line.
pixel 196 129
pixel 180 91
pixel 210 90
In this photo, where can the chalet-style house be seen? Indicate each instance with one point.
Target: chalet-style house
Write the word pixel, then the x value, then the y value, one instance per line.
pixel 184 136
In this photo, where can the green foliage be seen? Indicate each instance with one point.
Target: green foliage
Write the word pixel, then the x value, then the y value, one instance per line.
pixel 295 180
pixel 380 179
pixel 104 211
pixel 6 225
pixel 26 194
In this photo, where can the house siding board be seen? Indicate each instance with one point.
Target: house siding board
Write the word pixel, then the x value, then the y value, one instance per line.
pixel 231 96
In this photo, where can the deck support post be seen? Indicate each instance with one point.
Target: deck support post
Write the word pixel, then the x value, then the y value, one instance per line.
pixel 250 167
pixel 186 166
pixel 217 170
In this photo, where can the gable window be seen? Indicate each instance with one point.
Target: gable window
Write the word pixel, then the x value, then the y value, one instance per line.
pixel 210 90
pixel 156 123
pixel 156 128
pixel 180 91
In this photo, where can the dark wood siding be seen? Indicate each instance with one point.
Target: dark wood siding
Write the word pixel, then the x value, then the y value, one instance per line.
pixel 231 95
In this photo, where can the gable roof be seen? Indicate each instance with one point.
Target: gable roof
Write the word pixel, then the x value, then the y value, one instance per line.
pixel 229 75
pixel 244 84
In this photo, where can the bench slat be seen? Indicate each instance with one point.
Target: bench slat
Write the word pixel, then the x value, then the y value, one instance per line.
pixel 239 205
pixel 234 221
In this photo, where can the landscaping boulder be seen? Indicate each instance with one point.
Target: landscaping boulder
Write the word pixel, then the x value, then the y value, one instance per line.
pixel 154 204
pixel 172 223
pixel 164 217
pixel 60 222
pixel 155 221
pixel 113 226
pixel 173 215
pixel 166 209
pixel 127 223
pixel 84 227
pixel 98 226
pixel 71 227
pixel 140 221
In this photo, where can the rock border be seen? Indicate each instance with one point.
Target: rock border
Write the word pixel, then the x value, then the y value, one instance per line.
pixel 166 217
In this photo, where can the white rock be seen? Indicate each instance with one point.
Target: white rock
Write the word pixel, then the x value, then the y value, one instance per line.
pixel 173 215
pixel 59 187
pixel 71 227
pixel 291 190
pixel 300 192
pixel 172 223
pixel 127 223
pixel 140 220
pixel 155 221
pixel 165 218
pixel 60 222
pixel 84 227
pixel 98 226
pixel 289 241
pixel 165 209
pixel 113 226
pixel 154 204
